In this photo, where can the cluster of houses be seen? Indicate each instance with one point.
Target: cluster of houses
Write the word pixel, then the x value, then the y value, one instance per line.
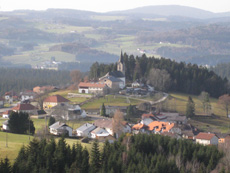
pixel 100 129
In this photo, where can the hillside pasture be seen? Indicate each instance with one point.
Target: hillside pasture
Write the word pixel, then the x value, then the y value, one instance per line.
pixel 216 123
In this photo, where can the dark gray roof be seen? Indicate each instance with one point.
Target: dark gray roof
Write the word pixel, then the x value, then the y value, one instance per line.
pixel 113 79
pixel 117 74
pixel 57 125
pixel 222 135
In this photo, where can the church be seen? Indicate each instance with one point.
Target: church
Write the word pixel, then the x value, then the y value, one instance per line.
pixel 115 79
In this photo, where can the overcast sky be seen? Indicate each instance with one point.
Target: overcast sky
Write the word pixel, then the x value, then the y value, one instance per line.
pixel 111 5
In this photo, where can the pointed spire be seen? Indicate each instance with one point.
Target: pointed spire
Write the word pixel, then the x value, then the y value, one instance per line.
pixel 121 57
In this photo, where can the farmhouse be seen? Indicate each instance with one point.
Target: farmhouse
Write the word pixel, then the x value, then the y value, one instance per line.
pixel 27 95
pixel 207 139
pixel 27 108
pixel 97 88
pixel 160 127
pixel 54 100
pixel 59 128
pixel 67 112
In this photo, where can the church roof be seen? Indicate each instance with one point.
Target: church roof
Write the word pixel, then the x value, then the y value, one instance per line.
pixel 116 74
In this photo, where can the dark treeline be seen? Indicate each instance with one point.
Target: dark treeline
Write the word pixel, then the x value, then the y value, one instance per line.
pixel 19 79
pixel 186 78
pixel 139 153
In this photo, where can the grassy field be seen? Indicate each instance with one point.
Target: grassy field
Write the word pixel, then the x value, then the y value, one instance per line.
pixel 16 141
pixel 64 93
pixel 110 100
pixel 217 123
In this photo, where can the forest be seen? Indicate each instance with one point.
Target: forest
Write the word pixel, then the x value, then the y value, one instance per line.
pixel 17 79
pixel 185 78
pixel 138 153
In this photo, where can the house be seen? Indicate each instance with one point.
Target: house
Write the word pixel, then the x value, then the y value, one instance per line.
pixel 6 114
pixel 27 95
pixel 27 108
pixel 112 82
pixel 67 112
pixel 107 124
pixel 1 102
pixel 85 130
pixel 5 126
pixel 158 127
pixel 207 139
pixel 150 115
pixel 54 100
pixel 139 128
pixel 99 132
pixel 9 96
pixel 222 137
pixel 89 88
pixel 146 121
pixel 59 128
pixel 188 134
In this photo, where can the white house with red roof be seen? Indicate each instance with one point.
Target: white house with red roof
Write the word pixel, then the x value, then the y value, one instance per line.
pixel 6 114
pixel 28 108
pixel 207 139
pixel 54 100
pixel 87 87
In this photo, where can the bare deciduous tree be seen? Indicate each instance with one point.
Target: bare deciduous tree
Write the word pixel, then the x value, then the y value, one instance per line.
pixel 160 79
pixel 224 101
pixel 117 123
pixel 75 76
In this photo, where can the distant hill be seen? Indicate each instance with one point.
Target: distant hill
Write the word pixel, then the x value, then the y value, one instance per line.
pixel 175 10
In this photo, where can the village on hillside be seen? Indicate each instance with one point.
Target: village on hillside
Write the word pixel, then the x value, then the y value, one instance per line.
pixel 106 122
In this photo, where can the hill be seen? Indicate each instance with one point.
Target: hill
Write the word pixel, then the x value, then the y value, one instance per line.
pixel 173 10
pixel 28 37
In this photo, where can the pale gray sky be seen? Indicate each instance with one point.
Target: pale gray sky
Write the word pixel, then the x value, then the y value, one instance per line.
pixel 111 5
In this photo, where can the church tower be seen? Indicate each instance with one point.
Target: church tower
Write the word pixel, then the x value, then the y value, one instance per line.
pixel 121 64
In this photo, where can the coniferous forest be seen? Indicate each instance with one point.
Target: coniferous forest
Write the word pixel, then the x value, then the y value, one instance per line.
pixel 19 79
pixel 186 78
pixel 138 153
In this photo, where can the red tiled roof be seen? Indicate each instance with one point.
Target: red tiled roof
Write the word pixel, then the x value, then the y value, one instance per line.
pixel 139 126
pixel 95 85
pixel 7 112
pixel 147 115
pixel 205 136
pixel 56 99
pixel 23 107
pixel 160 126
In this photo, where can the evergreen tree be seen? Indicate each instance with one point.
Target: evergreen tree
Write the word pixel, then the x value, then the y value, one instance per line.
pixel 95 158
pixel 103 111
pixel 20 123
pixel 190 108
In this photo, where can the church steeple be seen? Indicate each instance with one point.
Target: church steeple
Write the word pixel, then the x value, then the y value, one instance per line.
pixel 121 64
